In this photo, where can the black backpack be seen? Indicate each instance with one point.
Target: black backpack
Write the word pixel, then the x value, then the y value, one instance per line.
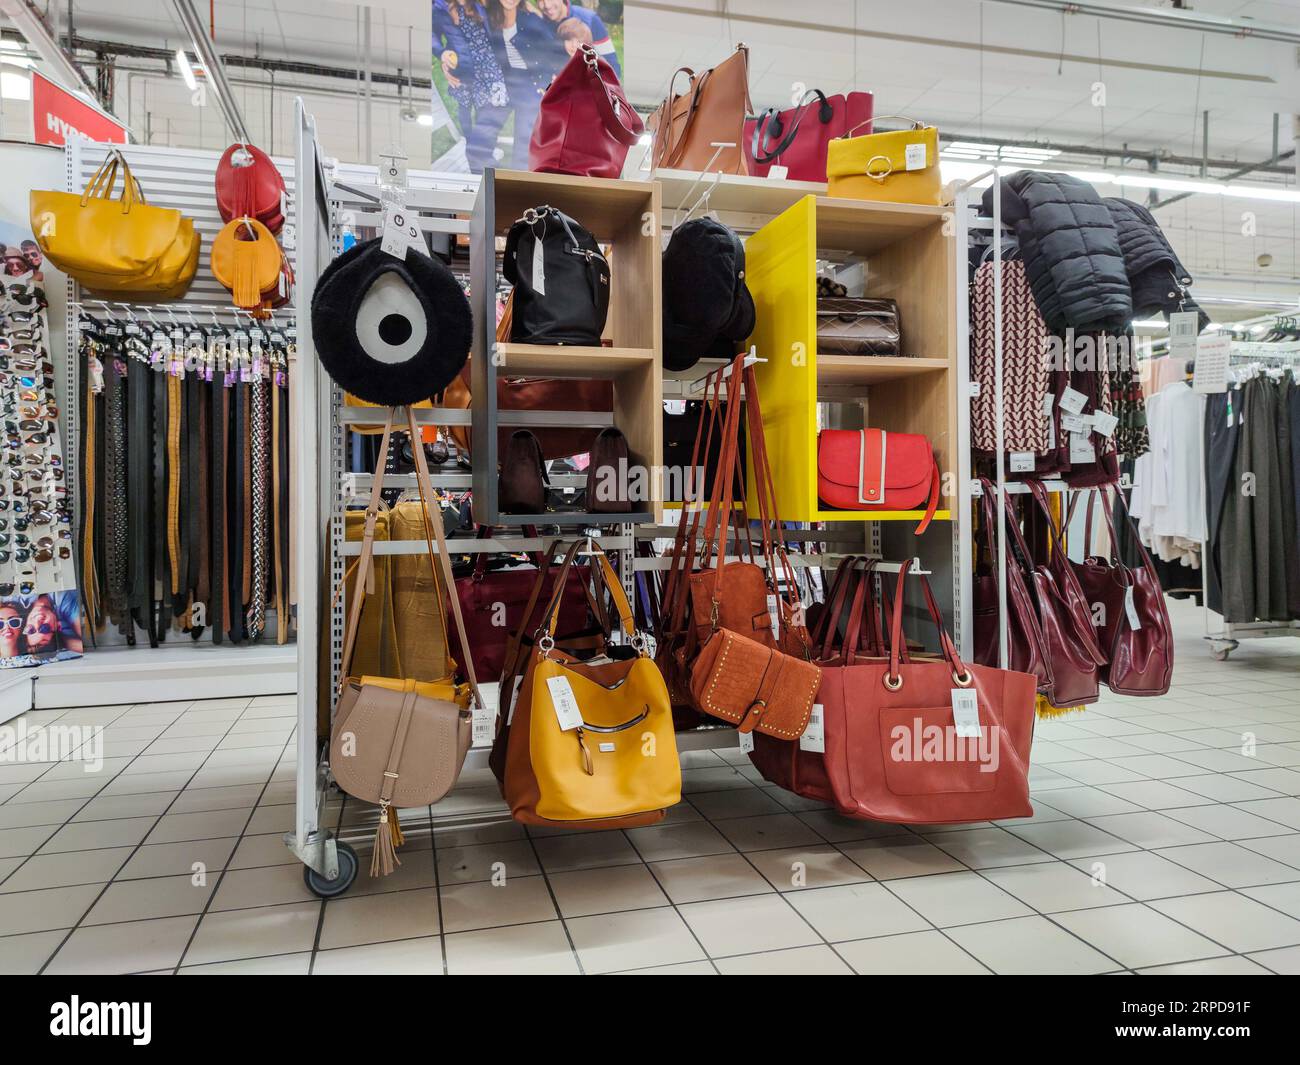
pixel 566 302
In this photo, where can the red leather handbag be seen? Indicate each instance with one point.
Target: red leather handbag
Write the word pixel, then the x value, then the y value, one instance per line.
pixel 1129 607
pixel 892 749
pixel 585 125
pixel 797 137
pixel 250 186
pixel 861 469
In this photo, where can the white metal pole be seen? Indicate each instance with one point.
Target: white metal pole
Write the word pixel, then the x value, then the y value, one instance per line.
pixel 999 531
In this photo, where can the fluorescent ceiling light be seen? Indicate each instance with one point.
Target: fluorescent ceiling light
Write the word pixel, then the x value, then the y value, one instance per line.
pixel 187 71
pixel 15 86
pixel 1150 323
pixel 974 150
pixel 425 119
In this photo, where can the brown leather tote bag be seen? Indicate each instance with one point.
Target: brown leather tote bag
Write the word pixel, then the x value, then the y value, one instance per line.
pixel 711 110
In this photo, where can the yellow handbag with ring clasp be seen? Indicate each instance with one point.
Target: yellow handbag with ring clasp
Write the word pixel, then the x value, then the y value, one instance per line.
pixel 900 166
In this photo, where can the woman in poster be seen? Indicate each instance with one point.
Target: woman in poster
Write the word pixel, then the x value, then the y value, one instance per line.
pixel 530 55
pixel 462 44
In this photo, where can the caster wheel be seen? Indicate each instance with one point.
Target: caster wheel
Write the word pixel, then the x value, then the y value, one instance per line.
pixel 1222 656
pixel 329 889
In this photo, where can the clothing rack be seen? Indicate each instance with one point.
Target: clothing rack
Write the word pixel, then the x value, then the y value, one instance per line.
pixel 1227 637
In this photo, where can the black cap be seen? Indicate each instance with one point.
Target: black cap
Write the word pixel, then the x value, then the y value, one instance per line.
pixel 707 306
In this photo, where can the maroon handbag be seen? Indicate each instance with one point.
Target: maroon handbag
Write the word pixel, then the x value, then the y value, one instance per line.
pixel 1026 652
pixel 249 186
pixel 1129 607
pixel 862 469
pixel 893 752
pixel 797 137
pixel 585 125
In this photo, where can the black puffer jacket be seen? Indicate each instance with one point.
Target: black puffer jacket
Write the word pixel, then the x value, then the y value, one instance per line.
pixel 1154 271
pixel 1071 250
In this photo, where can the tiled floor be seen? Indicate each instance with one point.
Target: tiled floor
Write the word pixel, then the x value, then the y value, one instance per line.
pixel 1165 838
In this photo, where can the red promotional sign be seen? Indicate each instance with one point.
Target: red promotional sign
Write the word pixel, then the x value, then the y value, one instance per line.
pixel 58 115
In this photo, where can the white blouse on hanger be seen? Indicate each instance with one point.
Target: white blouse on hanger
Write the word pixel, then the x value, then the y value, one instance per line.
pixel 1168 498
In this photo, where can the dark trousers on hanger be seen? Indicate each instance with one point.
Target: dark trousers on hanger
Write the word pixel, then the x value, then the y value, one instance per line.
pixel 1222 427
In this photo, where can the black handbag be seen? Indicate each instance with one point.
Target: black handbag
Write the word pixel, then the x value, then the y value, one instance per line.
pixel 561 280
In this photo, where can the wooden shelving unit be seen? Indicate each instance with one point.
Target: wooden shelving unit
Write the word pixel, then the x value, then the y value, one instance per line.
pixel 910 254
pixel 623 216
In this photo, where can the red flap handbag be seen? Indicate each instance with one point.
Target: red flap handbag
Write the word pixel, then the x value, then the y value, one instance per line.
pixel 585 125
pixel 858 469
pixel 250 186
pixel 797 137
pixel 892 749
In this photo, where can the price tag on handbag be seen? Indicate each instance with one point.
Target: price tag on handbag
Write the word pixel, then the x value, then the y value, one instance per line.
pixel 539 268
pixel 774 612
pixel 400 232
pixel 914 156
pixel 565 703
pixel 814 736
pixel 1022 462
pixel 482 721
pixel 1081 449
pixel 777 172
pixel 966 712
pixel 746 742
pixel 1104 423
pixel 1130 609
pixel 1072 400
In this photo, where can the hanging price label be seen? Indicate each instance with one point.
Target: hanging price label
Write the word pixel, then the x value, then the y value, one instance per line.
pixel 1081 449
pixel 483 725
pixel 814 736
pixel 1022 462
pixel 565 703
pixel 774 613
pixel 1130 609
pixel 539 268
pixel 966 712
pixel 1183 327
pixel 746 742
pixel 1072 400
pixel 914 157
pixel 1076 423
pixel 1104 423
pixel 400 232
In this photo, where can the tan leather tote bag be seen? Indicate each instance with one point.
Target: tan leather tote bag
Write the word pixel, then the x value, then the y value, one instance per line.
pixel 712 110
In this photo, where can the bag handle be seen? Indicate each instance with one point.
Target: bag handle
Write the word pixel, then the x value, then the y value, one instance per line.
pixel 546 630
pixel 609 107
pixel 893 677
pixel 916 124
pixel 824 631
pixel 858 637
pixel 770 117
pixel 1059 564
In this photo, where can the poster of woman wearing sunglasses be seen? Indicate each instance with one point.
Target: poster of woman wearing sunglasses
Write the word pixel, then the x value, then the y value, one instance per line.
pixel 39 628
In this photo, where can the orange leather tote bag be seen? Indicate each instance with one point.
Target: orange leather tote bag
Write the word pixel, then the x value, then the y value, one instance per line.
pixel 711 110
pixel 893 749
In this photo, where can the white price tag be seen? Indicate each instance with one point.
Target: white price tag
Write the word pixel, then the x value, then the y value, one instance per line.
pixel 1072 400
pixel 565 702
pixel 514 698
pixel 966 712
pixel 746 742
pixel 1130 609
pixel 1076 423
pixel 1022 462
pixel 1183 327
pixel 1211 371
pixel 539 268
pixel 1081 449
pixel 400 233
pixel 914 157
pixel 1104 423
pixel 483 723
pixel 814 736
pixel 778 172
pixel 774 612
pixel 1049 401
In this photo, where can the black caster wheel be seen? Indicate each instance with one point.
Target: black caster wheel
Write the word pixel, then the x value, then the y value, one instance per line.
pixel 331 889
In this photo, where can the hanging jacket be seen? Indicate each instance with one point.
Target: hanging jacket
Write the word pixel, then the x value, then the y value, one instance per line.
pixel 1155 273
pixel 1071 250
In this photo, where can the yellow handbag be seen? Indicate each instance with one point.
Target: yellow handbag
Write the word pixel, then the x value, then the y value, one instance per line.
pixel 901 166
pixel 96 234
pixel 612 762
pixel 170 280
pixel 246 267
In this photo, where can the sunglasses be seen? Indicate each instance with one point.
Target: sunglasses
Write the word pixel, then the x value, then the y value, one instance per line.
pixel 44 628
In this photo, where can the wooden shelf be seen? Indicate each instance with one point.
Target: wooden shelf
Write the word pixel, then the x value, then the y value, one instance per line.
pixel 734 192
pixel 565 360
pixel 863 227
pixel 872 369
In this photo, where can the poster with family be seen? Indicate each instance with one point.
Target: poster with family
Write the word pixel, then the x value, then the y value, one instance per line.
pixel 40 610
pixel 493 59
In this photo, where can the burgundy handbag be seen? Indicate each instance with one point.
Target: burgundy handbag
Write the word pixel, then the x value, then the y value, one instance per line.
pixel 1026 650
pixel 858 469
pixel 249 186
pixel 1129 607
pixel 585 125
pixel 892 748
pixel 797 137
pixel 497 603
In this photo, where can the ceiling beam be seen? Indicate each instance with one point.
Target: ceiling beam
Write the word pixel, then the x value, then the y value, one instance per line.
pixel 1169 19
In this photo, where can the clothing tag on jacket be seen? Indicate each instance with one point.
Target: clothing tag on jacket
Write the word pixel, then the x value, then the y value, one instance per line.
pixel 1130 609
pixel 1104 423
pixel 774 612
pixel 746 742
pixel 565 702
pixel 539 268
pixel 1022 462
pixel 814 736
pixel 400 232
pixel 966 712
pixel 1081 449
pixel 1072 400
pixel 914 156
pixel 1183 327
pixel 1076 423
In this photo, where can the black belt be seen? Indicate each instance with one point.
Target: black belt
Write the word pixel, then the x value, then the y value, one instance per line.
pixel 220 417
